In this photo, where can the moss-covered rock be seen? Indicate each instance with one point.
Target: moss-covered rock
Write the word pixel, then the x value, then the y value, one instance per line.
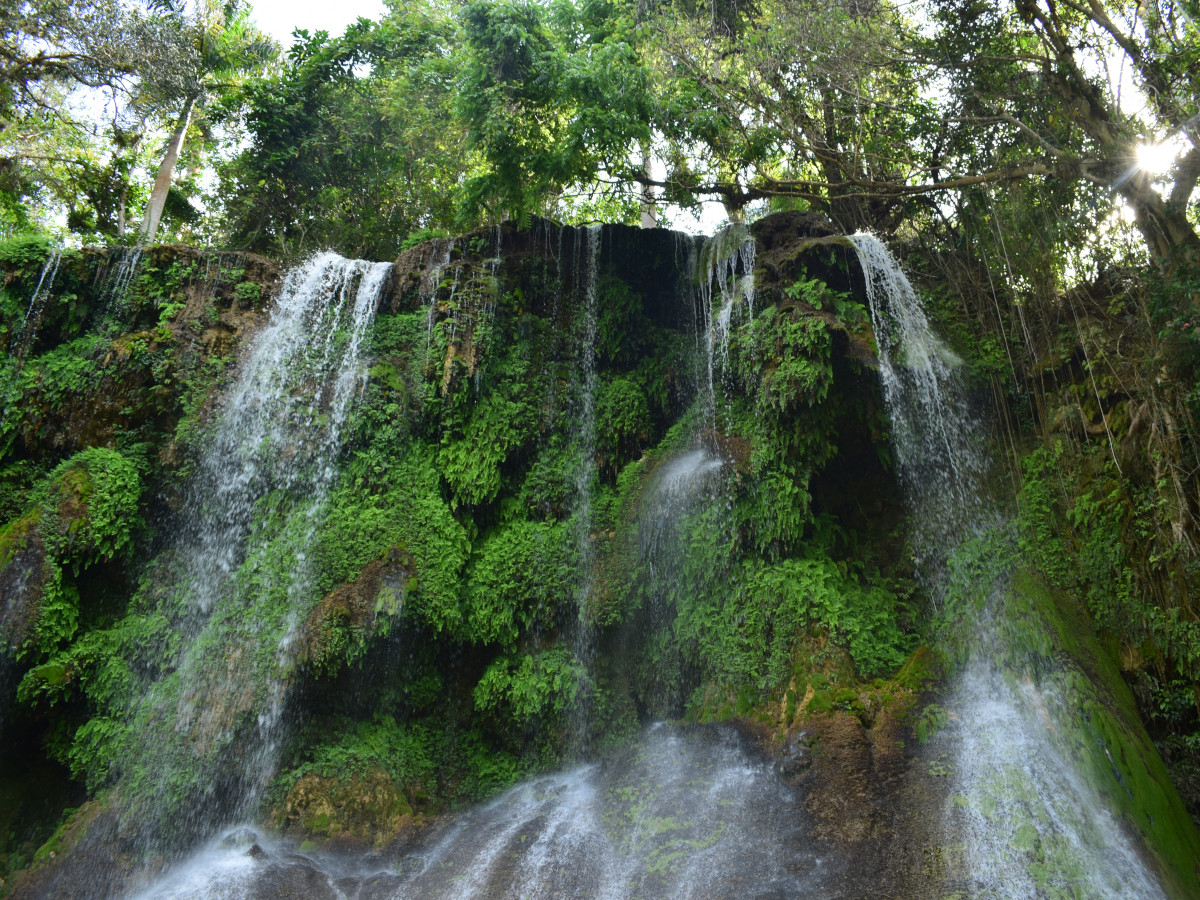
pixel 364 807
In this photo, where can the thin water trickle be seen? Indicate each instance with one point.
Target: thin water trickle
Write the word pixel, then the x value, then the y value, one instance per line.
pixel 1029 822
pixel 430 282
pixel 725 275
pixel 128 260
pixel 585 467
pixel 586 261
pixel 41 292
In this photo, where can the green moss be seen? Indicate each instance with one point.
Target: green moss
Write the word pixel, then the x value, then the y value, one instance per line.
pixel 404 505
pixel 747 635
pixel 93 501
pixel 623 421
pixel 1108 736
pixel 526 688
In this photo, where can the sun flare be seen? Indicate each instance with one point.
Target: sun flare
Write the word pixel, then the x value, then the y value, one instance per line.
pixel 1156 159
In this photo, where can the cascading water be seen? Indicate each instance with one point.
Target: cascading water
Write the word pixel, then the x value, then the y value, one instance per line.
pixel 280 426
pixel 40 293
pixel 587 261
pixel 252 508
pixel 938 442
pixel 1030 822
pixel 725 273
pixel 670 498
pixel 128 260
pixel 431 281
pixel 32 319
pixel 675 815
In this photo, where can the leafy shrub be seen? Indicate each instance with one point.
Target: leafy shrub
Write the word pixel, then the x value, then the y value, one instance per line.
pixel 524 689
pixel 519 578
pixel 91 505
pixel 748 635
pixel 623 420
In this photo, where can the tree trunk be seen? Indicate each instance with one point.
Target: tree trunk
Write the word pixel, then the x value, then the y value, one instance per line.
pixel 1165 226
pixel 649 210
pixel 121 211
pixel 166 172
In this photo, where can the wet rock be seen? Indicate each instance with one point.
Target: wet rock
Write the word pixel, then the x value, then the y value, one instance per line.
pixel 238 838
pixel 297 879
pixel 257 852
pixel 24 572
pixel 796 756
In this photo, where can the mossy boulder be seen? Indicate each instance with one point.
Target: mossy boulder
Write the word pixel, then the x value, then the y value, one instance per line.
pixel 88 514
pixel 363 807
pixel 24 571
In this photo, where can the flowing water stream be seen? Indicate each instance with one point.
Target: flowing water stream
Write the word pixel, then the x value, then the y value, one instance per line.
pixel 210 729
pixel 687 814
pixel 1030 822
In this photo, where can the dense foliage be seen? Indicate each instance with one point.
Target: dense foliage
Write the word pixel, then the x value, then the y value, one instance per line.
pixel 495 537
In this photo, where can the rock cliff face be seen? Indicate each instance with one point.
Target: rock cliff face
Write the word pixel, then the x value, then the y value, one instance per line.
pixel 588 480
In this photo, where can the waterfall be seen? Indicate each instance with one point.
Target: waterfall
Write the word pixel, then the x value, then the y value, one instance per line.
pixel 938 443
pixel 669 498
pixel 128 261
pixel 213 725
pixel 29 325
pixel 725 274
pixel 586 261
pixel 40 293
pixel 280 426
pixel 585 464
pixel 430 282
pixel 1029 821
pixel 678 814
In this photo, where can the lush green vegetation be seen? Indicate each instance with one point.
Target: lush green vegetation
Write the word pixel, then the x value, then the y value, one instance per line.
pixel 454 566
pixel 454 525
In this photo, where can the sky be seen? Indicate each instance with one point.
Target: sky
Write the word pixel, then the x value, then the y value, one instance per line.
pixel 278 17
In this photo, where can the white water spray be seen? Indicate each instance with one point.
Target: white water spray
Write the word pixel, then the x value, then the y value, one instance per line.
pixel 41 292
pixel 682 816
pixel 726 275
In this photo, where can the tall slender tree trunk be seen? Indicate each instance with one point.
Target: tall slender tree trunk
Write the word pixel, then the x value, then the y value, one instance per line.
pixel 121 211
pixel 166 172
pixel 649 209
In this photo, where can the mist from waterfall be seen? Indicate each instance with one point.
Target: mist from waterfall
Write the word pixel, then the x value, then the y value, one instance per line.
pixel 688 814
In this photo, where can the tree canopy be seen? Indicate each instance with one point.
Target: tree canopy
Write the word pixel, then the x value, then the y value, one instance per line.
pixel 445 115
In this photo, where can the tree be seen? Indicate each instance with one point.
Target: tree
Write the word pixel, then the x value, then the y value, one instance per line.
pixel 219 46
pixel 806 100
pixel 353 143
pixel 1039 74
pixel 552 96
pixel 53 153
